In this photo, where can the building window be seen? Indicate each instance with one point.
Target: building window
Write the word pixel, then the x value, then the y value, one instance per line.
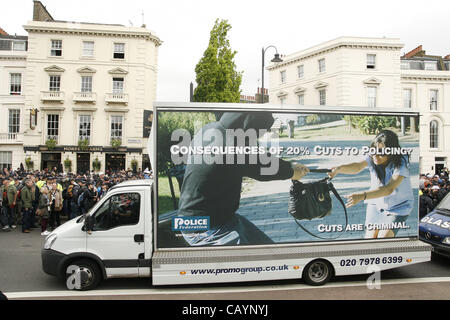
pixel 19 45
pixel 407 103
pixel 53 126
pixel 56 49
pixel 283 76
pixel 433 100
pixel 5 159
pixel 84 132
pixel 88 48
pixel 14 121
pixel 118 86
pixel 116 127
pixel 372 97
pixel 15 84
pixel 322 97
pixel 119 51
pixel 13 45
pixel 430 65
pixel 86 84
pixel 55 83
pixel 301 99
pixel 434 134
pixel 322 65
pixel 300 71
pixel 371 61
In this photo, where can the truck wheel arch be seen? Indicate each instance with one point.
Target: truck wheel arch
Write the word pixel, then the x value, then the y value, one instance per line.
pixel 82 255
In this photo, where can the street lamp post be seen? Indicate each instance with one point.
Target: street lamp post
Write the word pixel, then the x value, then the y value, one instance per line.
pixel 275 59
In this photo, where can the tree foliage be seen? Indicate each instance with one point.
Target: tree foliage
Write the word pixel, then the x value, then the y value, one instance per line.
pixel 371 124
pixel 216 75
pixel 168 122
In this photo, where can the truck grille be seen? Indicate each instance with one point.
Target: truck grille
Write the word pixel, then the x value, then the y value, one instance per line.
pixel 430 237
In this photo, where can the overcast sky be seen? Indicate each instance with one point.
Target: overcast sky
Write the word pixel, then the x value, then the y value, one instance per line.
pixel 291 26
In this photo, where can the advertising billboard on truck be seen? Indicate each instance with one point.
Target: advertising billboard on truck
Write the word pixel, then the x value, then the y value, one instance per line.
pixel 262 177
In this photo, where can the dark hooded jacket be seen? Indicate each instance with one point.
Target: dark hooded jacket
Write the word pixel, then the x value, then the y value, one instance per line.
pixel 214 190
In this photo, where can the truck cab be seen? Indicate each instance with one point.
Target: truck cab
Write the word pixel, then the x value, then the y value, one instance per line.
pixel 114 239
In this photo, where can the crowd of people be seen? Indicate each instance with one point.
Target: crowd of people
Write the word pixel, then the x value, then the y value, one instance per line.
pixel 39 199
pixel 433 188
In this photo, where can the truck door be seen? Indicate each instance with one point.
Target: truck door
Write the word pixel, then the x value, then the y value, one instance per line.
pixel 118 233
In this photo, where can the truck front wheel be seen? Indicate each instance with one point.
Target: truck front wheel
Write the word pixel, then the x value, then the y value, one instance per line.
pixel 83 274
pixel 317 272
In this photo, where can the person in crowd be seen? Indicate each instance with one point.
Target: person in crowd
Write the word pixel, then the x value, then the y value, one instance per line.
pixel 44 210
pixel 89 198
pixel 42 181
pixel 11 193
pixel 27 195
pixel 435 194
pixel 74 194
pixel 56 205
pixel 81 196
pixel 34 218
pixel 104 190
pixel 3 204
pixel 426 204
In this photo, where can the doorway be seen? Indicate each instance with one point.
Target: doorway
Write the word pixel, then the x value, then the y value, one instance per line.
pixel 50 161
pixel 83 166
pixel 115 162
pixel 440 163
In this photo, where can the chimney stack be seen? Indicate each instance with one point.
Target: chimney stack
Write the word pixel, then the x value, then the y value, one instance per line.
pixel 40 13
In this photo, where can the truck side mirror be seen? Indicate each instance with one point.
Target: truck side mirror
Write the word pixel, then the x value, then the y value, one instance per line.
pixel 89 223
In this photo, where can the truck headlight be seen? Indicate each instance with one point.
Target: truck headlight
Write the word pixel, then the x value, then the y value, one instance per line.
pixel 49 241
pixel 446 240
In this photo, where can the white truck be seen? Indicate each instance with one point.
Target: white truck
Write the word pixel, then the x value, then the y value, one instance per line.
pixel 228 220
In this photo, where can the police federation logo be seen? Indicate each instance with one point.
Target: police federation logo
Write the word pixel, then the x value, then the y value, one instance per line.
pixel 190 223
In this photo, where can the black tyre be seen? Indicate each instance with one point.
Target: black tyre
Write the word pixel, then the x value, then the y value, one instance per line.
pixel 317 272
pixel 82 275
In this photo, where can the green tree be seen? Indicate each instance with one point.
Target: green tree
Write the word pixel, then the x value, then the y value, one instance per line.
pixel 216 75
pixel 171 121
pixel 371 124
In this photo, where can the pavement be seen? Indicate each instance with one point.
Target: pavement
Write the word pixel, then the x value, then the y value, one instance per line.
pixel 20 261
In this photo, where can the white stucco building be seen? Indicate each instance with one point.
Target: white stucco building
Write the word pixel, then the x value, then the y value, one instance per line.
pixel 426 86
pixel 372 72
pixel 90 84
pixel 12 99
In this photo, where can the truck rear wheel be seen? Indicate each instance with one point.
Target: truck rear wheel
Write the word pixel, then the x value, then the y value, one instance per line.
pixel 317 272
pixel 83 274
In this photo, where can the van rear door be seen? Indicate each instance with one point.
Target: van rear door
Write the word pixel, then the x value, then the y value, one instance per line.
pixel 118 233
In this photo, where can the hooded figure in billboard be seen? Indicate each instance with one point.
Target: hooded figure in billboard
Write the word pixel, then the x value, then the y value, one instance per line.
pixel 212 185
pixel 390 198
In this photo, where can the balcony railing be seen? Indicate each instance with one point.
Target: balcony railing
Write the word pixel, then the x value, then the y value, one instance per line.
pixel 11 138
pixel 52 96
pixel 116 98
pixel 84 97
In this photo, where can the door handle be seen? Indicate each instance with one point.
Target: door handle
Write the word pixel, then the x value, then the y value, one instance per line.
pixel 138 238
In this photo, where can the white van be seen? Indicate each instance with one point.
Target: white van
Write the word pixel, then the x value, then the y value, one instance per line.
pixel 126 234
